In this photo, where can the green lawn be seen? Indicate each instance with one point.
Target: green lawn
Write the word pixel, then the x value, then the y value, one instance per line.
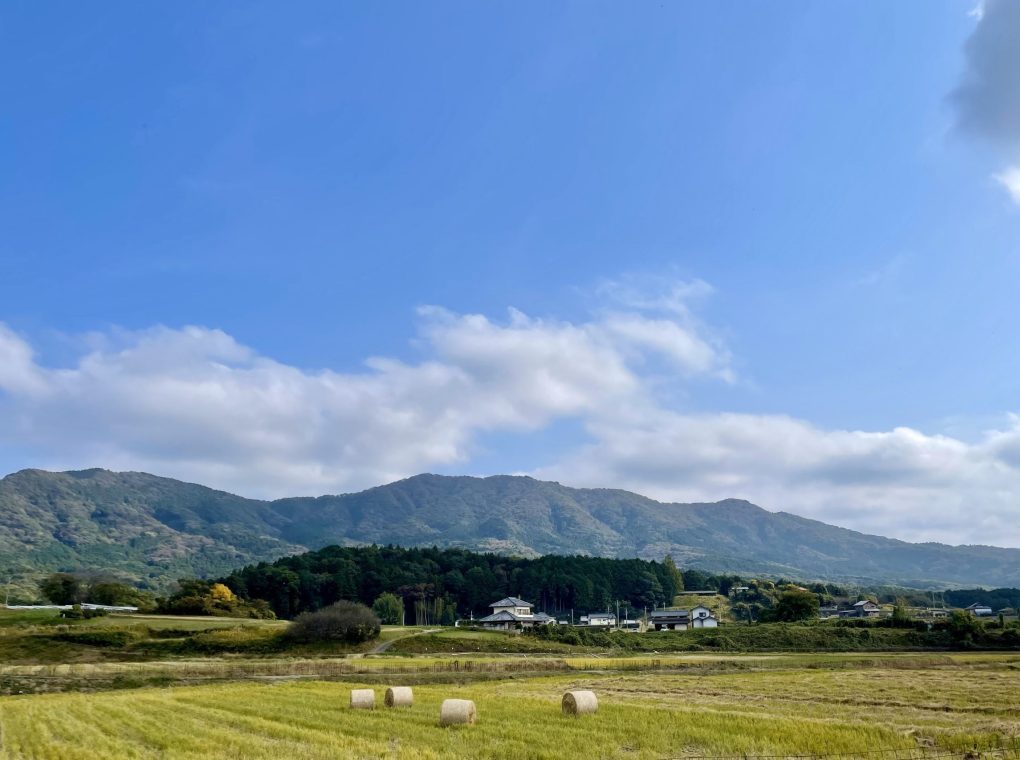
pixel 10 618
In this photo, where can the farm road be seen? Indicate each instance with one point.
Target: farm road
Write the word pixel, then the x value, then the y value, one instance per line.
pixel 387 644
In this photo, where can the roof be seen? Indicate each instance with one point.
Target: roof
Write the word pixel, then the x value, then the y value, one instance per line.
pixel 864 602
pixel 977 605
pixel 500 617
pixel 504 616
pixel 600 614
pixel 511 601
pixel 669 613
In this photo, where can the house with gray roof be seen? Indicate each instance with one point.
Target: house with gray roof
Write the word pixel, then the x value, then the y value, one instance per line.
pixel 513 613
pixel 680 620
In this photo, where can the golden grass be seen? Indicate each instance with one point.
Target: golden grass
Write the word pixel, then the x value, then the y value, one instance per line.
pixel 785 711
pixel 179 622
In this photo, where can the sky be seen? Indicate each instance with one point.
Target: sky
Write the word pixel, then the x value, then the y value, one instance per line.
pixel 746 249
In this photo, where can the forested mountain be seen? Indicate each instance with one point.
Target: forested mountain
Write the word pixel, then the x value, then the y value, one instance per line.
pixel 155 529
pixel 148 529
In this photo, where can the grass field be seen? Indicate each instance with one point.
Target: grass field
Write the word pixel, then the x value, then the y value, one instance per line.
pixel 11 618
pixel 43 637
pixel 173 687
pixel 896 704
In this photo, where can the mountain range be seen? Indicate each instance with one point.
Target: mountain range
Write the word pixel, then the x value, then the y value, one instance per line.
pixel 152 530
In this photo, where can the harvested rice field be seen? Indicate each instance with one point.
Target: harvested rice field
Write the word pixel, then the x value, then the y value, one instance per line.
pixel 956 706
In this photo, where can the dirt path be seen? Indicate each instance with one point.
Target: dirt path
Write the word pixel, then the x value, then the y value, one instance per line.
pixel 387 644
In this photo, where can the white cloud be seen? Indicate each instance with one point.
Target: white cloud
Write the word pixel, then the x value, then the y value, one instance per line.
pixel 1010 179
pixel 17 367
pixel 902 482
pixel 194 403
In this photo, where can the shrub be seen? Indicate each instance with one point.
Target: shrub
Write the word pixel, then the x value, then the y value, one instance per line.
pixel 344 621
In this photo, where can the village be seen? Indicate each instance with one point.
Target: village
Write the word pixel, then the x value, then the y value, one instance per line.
pixel 513 614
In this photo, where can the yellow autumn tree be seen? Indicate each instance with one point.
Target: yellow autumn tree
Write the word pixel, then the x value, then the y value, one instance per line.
pixel 221 594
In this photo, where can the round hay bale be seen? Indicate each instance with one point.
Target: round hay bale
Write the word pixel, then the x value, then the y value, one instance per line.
pixel 399 696
pixel 580 703
pixel 363 699
pixel 454 711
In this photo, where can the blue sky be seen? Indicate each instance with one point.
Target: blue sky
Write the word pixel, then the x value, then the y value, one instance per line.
pixel 753 249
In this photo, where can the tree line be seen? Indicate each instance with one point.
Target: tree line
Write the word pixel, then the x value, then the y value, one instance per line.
pixel 441 585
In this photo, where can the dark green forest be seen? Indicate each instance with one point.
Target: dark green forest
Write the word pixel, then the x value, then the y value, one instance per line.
pixel 440 585
pixel 450 583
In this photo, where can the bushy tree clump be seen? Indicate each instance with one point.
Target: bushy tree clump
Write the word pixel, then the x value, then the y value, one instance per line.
pixel 197 597
pixel 72 588
pixel 344 621
pixel 389 608
pixel 795 605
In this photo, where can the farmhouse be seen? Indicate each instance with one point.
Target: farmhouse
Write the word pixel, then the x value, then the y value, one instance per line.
pixel 981 610
pixel 862 609
pixel 680 620
pixel 511 613
pixel 702 617
pixel 601 619
pixel 670 620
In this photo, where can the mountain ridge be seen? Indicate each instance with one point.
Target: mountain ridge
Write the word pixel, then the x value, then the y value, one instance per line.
pixel 152 529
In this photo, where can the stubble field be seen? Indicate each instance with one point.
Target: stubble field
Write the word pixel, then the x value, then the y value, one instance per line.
pixel 890 707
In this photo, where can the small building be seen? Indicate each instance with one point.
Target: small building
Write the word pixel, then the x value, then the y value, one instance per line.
pixel 65 607
pixel 980 610
pixel 601 619
pixel 680 620
pixel 828 612
pixel 513 613
pixel 862 609
pixel 702 617
pixel 669 620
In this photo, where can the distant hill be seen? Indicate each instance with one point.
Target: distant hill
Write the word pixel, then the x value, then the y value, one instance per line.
pixel 155 529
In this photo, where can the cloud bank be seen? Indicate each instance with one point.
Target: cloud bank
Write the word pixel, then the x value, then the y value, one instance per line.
pixel 194 403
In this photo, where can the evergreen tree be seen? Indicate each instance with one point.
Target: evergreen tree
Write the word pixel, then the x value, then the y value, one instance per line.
pixel 674 574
